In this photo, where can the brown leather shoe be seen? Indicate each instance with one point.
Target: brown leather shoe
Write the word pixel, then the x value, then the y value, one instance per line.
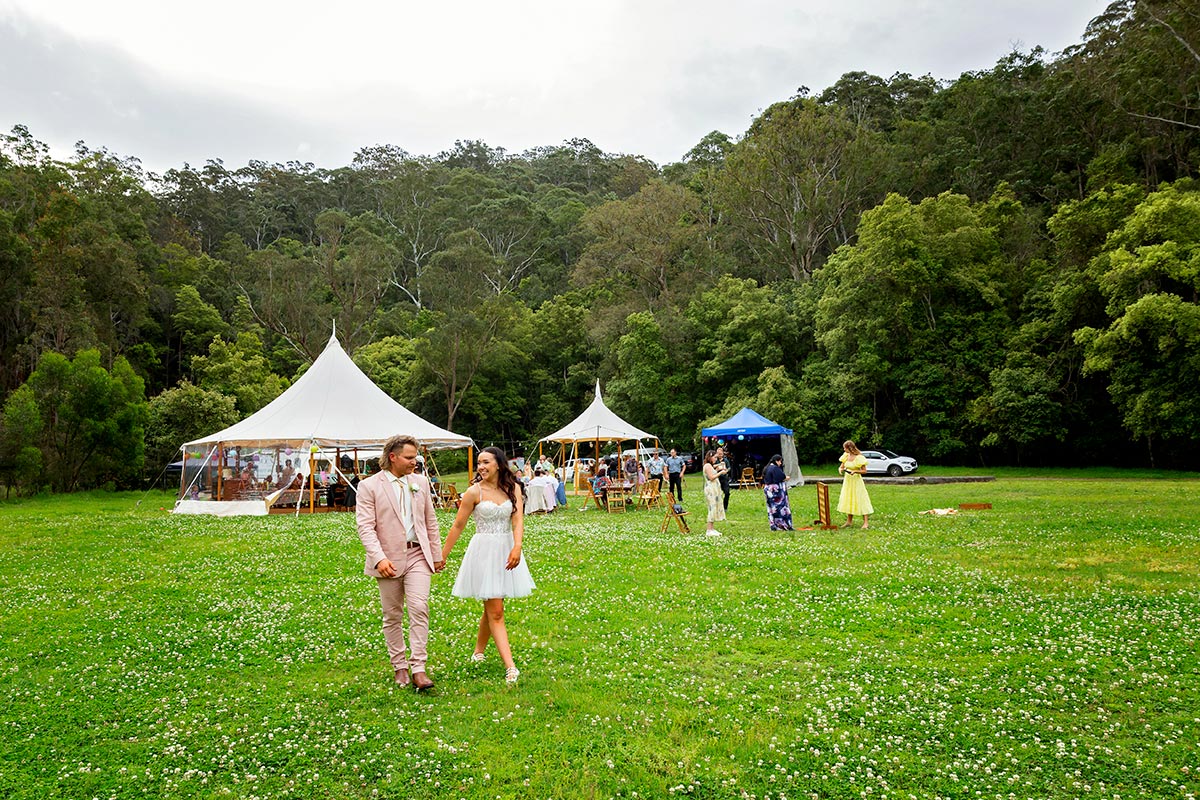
pixel 402 678
pixel 421 681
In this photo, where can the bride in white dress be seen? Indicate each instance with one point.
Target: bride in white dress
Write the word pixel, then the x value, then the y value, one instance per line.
pixel 492 568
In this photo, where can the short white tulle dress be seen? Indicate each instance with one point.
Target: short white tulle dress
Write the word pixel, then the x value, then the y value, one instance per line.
pixel 482 575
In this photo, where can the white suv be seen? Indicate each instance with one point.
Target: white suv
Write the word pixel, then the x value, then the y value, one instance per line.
pixel 885 462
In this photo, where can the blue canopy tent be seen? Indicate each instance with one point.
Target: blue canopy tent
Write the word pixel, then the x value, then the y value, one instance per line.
pixel 748 425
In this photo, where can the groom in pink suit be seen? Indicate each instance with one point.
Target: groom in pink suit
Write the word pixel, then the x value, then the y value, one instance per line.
pixel 399 529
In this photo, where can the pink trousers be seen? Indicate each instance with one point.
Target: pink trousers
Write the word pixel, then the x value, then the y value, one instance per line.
pixel 409 588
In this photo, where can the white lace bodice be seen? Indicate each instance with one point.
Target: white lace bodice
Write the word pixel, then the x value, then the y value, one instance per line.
pixel 492 519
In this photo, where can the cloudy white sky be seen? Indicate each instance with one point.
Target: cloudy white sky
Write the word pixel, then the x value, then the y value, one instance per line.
pixel 171 82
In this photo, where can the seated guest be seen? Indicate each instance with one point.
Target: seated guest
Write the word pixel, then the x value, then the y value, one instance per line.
pixel 600 484
pixel 540 495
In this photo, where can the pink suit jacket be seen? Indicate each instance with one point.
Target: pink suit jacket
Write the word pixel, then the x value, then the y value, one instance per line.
pixel 380 526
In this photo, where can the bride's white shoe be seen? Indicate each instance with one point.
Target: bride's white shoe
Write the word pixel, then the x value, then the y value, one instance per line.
pixel 477 658
pixel 510 675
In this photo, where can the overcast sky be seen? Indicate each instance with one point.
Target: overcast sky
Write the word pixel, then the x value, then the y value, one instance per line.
pixel 248 79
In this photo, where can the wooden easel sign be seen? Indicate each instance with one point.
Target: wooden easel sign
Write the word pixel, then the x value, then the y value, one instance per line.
pixel 823 518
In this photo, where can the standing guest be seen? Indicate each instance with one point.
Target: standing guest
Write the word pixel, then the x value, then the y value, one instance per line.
pixel 779 511
pixel 286 475
pixel 723 460
pixel 560 490
pixel 399 529
pixel 712 491
pixel 655 467
pixel 492 568
pixel 545 465
pixel 631 466
pixel 853 499
pixel 674 464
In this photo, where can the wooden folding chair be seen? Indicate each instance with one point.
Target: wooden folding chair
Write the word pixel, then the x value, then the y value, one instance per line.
pixel 677 515
pixel 595 495
pixel 650 496
pixel 618 499
pixel 748 481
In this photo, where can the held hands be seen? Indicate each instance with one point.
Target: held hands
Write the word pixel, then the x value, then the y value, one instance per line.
pixel 438 566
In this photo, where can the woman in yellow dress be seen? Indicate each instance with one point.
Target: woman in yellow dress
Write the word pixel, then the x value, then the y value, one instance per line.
pixel 853 499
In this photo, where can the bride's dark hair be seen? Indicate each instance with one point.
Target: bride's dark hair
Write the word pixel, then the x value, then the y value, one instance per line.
pixel 504 474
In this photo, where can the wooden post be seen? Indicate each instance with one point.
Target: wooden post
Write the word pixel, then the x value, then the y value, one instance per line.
pixel 470 463
pixel 220 472
pixel 823 516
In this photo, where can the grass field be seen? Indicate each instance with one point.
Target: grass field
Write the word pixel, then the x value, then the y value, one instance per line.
pixel 1045 648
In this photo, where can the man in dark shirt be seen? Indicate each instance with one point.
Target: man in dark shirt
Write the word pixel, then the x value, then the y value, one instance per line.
pixel 723 477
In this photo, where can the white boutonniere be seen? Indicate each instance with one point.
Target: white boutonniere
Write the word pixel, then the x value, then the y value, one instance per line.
pixel 412 487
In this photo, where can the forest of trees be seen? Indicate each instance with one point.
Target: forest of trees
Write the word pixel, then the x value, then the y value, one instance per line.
pixel 1003 268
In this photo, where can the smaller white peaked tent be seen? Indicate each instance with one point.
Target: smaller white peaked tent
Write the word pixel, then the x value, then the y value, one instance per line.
pixel 596 424
pixel 332 406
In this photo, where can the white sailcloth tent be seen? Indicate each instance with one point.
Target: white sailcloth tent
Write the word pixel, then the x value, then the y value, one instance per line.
pixel 596 424
pixel 334 406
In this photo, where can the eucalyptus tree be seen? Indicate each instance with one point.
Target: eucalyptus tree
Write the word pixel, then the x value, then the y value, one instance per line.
pixel 468 327
pixel 649 248
pixel 576 164
pixel 89 254
pixel 1147 55
pixel 794 185
pixel 406 193
pixel 299 292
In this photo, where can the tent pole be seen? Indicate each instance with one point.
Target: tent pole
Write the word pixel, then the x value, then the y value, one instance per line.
pixel 470 464
pixel 220 471
pixel 312 481
pixel 575 455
